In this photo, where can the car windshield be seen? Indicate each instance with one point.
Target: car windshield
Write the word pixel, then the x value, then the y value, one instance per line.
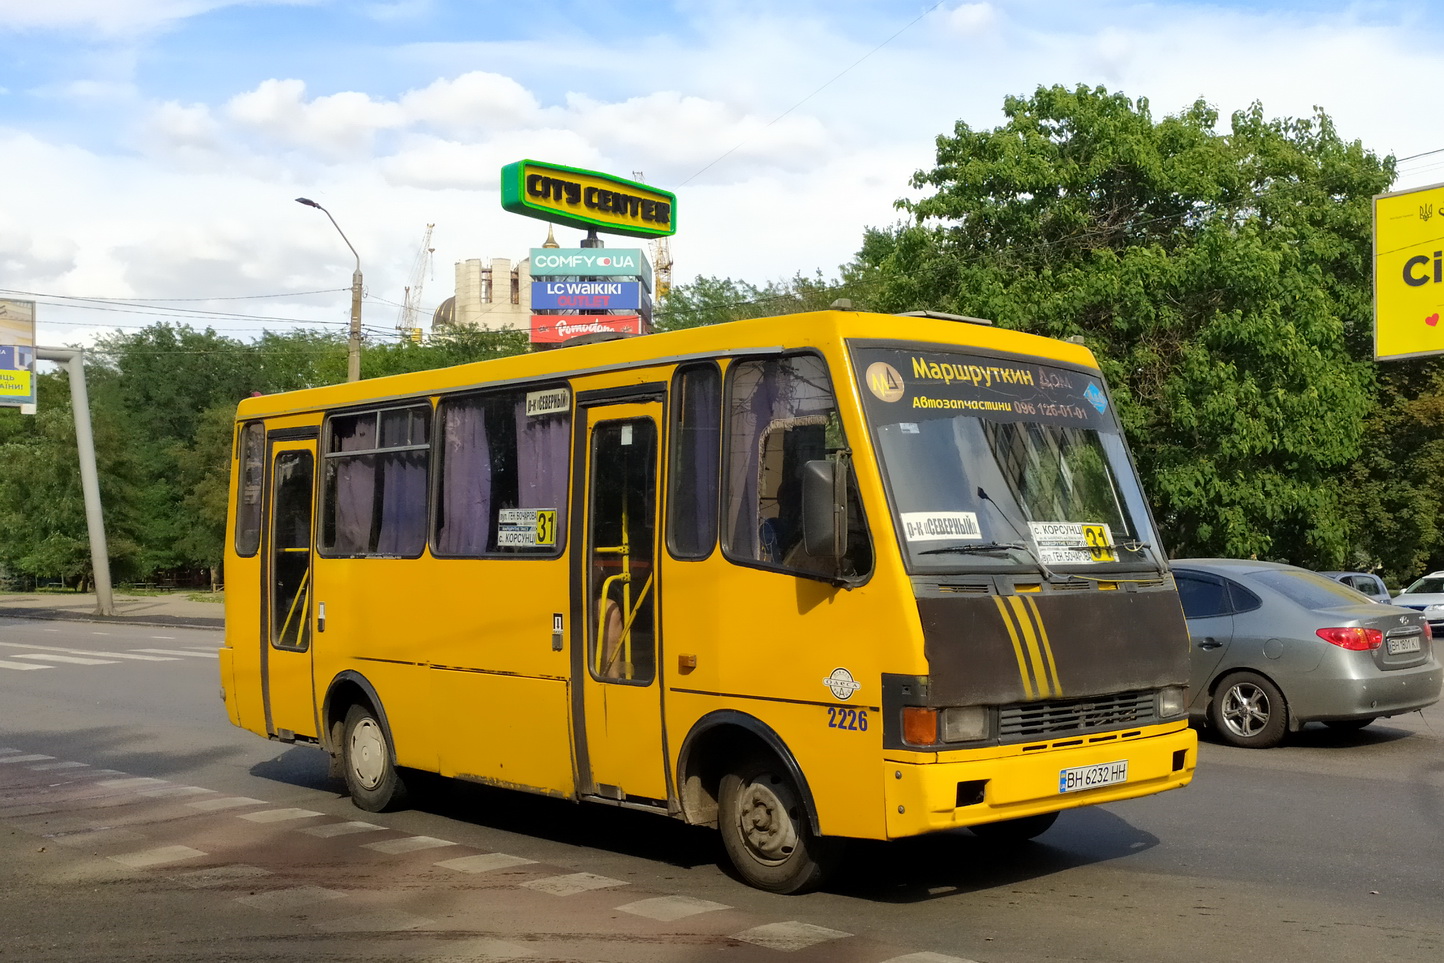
pixel 1428 585
pixel 1002 463
pixel 1309 589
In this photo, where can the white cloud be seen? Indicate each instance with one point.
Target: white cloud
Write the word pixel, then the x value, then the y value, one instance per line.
pixel 475 102
pixel 337 126
pixel 970 19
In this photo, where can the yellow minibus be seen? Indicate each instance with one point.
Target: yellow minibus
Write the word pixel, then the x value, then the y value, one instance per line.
pixel 809 578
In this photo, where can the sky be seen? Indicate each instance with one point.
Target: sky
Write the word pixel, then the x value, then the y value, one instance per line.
pixel 153 149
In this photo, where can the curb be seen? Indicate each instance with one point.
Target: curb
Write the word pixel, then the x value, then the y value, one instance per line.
pixel 160 621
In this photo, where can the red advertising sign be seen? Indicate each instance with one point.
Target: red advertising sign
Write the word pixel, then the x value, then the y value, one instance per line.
pixel 555 328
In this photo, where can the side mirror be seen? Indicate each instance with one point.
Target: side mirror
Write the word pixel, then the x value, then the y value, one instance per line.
pixel 824 507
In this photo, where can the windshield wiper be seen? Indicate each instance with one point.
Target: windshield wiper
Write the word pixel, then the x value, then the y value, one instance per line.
pixel 981 548
pixel 1037 559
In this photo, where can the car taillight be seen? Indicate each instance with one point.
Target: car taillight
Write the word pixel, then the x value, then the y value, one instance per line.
pixel 1428 632
pixel 1353 637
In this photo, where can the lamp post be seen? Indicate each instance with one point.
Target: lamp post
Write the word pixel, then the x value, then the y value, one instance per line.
pixel 353 343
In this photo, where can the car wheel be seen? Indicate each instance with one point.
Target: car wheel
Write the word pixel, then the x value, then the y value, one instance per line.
pixel 766 831
pixel 1249 711
pixel 367 763
pixel 1015 830
pixel 1347 725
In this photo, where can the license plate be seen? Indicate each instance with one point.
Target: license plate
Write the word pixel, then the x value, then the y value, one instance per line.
pixel 1407 644
pixel 1091 777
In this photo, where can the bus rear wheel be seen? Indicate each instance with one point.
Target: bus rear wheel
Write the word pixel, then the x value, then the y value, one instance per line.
pixel 368 763
pixel 766 831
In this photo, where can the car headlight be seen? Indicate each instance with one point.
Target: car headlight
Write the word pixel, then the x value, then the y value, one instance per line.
pixel 1172 701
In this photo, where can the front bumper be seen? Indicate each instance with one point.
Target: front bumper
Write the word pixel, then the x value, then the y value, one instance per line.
pixel 924 797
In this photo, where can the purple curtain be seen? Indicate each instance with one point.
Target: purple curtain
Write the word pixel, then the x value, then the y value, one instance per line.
pixel 465 495
pixel 355 483
pixel 542 461
pixel 403 504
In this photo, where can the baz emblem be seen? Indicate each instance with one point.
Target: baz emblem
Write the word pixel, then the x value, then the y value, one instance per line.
pixel 842 683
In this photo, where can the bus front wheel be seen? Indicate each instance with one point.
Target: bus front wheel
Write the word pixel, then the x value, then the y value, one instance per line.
pixel 367 761
pixel 767 833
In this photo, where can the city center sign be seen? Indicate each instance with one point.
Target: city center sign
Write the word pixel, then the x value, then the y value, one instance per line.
pixel 587 199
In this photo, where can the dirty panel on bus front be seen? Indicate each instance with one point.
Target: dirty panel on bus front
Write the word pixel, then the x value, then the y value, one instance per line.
pixel 1001 649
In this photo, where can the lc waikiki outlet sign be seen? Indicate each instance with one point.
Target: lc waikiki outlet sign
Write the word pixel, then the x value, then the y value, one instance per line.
pixel 588 200
pixel 1409 273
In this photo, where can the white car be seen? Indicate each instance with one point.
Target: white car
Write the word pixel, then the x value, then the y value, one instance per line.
pixel 1364 582
pixel 1427 596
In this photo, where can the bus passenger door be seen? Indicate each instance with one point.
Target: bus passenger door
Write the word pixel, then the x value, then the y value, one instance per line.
pixel 286 685
pixel 619 743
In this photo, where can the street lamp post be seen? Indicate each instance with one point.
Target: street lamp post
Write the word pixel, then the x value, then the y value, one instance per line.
pixel 353 343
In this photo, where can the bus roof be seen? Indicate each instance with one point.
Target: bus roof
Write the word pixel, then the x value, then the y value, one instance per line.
pixel 815 329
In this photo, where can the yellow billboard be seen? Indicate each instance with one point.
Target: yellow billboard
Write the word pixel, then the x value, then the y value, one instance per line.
pixel 1409 273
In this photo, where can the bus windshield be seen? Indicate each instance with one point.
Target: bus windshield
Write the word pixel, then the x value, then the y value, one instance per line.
pixel 1003 464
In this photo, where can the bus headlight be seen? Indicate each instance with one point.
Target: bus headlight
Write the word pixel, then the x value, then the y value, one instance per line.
pixel 964 724
pixel 1172 701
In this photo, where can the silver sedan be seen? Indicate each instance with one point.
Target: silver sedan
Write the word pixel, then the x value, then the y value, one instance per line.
pixel 1275 647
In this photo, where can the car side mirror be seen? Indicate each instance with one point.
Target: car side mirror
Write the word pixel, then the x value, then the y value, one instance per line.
pixel 824 507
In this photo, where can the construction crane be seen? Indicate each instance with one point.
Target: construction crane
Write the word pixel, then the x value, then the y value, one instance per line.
pixel 661 254
pixel 408 325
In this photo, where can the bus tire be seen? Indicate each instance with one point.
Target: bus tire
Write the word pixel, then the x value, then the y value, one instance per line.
pixel 766 831
pixel 369 764
pixel 1015 830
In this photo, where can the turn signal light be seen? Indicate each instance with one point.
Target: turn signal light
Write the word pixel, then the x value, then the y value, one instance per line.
pixel 920 726
pixel 1353 637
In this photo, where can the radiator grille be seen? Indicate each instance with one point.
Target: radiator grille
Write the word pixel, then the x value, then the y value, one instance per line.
pixel 1049 720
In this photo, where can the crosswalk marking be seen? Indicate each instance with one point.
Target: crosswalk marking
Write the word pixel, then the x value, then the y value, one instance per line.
pixel 68 659
pixel 572 884
pixel 158 857
pixel 92 652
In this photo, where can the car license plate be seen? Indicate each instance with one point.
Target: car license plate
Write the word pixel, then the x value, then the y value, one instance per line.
pixel 1091 777
pixel 1407 644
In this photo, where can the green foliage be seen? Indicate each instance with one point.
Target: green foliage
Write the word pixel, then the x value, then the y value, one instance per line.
pixel 1221 278
pixel 716 300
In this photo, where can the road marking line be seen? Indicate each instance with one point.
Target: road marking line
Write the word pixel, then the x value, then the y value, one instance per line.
pixel 379 921
pixel 486 949
pixel 572 884
pixel 178 791
pixel 284 899
pixel 103 655
pixel 411 844
pixel 928 958
pixel 484 862
pixel 667 909
pixel 164 638
pixel 228 802
pixel 193 655
pixel 59 765
pixel 22 666
pixel 132 782
pixel 219 875
pixel 157 857
pixel 789 936
pixel 70 659
pixel 27 757
pixel 341 829
pixel 100 633
pixel 278 815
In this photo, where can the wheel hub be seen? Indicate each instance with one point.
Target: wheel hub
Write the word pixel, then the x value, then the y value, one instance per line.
pixel 768 822
pixel 368 754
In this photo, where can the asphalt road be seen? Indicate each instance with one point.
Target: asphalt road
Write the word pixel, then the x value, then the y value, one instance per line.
pixel 137 824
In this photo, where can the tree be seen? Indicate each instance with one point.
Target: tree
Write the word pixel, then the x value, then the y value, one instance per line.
pixel 1221 278
pixel 712 300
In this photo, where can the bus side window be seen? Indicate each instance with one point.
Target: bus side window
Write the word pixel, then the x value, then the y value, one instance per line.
pixel 782 414
pixel 692 474
pixel 248 489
